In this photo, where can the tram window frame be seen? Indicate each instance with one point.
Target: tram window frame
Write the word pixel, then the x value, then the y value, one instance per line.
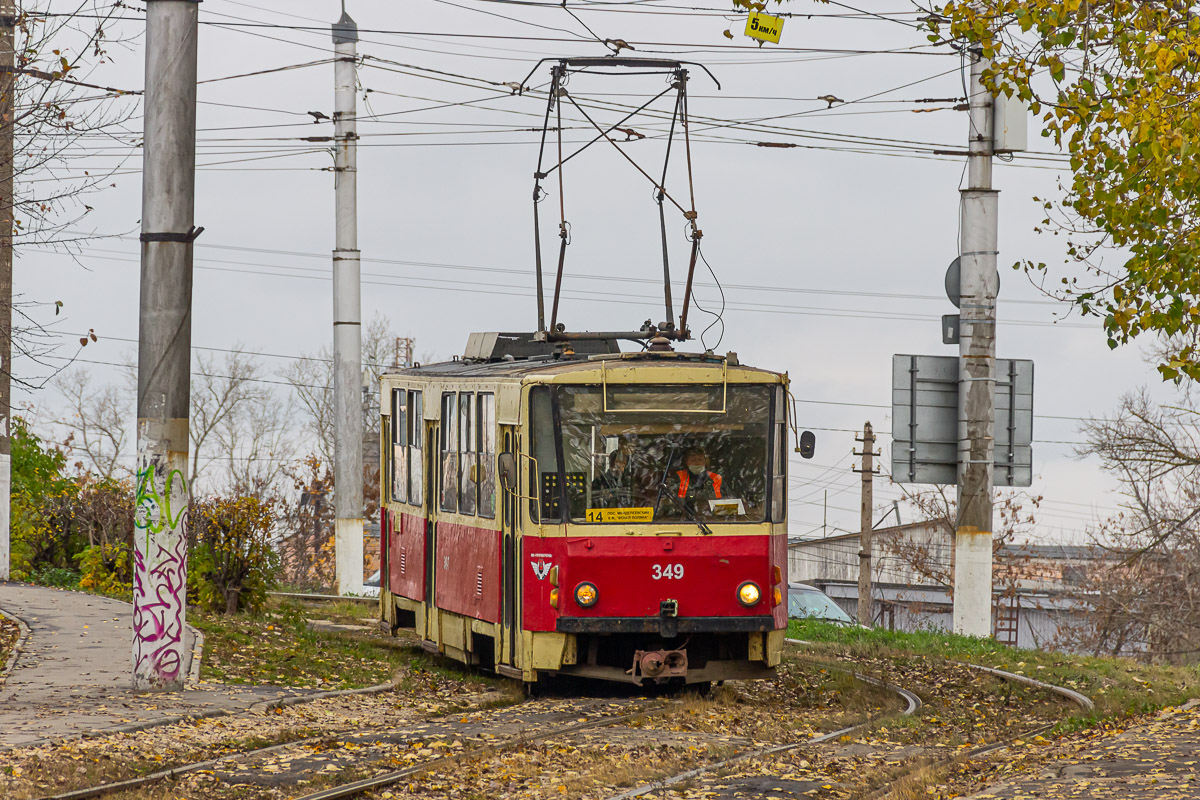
pixel 448 460
pixel 398 491
pixel 416 447
pixel 553 410
pixel 485 417
pixel 468 461
pixel 779 457
pixel 543 449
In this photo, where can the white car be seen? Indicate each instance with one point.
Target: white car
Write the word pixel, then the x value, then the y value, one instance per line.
pixel 371 585
pixel 809 602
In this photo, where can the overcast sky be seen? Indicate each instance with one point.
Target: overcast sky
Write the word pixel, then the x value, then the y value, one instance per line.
pixel 831 253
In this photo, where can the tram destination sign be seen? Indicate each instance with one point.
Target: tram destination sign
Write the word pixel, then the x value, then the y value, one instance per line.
pixel 925 420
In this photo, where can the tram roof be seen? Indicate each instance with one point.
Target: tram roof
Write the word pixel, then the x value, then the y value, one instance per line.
pixel 564 364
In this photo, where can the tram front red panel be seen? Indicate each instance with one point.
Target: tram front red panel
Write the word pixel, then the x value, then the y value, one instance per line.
pixel 633 575
pixel 467 578
pixel 779 558
pixel 406 556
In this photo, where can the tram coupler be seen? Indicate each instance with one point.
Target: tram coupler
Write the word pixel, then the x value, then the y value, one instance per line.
pixel 658 665
pixel 668 623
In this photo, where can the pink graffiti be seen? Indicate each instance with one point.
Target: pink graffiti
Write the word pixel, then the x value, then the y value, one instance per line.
pixel 158 620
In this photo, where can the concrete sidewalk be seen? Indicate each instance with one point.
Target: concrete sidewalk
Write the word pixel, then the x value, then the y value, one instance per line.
pixel 1154 760
pixel 73 673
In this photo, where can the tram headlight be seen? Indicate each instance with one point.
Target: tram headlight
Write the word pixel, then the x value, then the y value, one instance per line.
pixel 748 594
pixel 586 595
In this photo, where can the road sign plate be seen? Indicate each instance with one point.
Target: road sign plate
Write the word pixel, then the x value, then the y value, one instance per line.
pixel 953 277
pixel 764 27
pixel 925 420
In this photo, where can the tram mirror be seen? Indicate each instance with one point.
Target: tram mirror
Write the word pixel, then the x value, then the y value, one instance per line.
pixel 506 468
pixel 808 444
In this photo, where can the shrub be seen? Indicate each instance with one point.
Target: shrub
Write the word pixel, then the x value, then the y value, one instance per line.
pixel 107 569
pixel 38 489
pixel 232 565
pixel 57 577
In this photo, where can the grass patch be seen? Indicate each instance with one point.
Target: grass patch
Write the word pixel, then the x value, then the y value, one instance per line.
pixel 1118 686
pixel 349 612
pixel 280 647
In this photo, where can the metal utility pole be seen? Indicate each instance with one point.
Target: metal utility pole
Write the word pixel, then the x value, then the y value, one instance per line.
pixel 8 83
pixel 979 285
pixel 347 319
pixel 865 617
pixel 165 346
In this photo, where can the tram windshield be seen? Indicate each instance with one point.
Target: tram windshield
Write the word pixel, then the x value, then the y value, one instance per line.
pixel 641 453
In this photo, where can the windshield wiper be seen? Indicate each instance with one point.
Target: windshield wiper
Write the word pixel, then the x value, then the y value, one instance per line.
pixel 707 531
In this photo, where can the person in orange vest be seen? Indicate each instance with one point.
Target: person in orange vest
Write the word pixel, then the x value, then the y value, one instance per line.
pixel 695 481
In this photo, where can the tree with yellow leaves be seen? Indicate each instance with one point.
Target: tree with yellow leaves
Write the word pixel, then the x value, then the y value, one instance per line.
pixel 1117 86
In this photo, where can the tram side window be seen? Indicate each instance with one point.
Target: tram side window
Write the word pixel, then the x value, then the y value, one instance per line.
pixel 779 460
pixel 467 464
pixel 416 448
pixel 399 446
pixel 486 448
pixel 449 453
pixel 543 467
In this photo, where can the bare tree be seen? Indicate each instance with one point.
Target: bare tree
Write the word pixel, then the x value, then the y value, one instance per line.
pixel 221 388
pixel 63 116
pixel 97 420
pixel 311 376
pixel 1145 596
pixel 258 444
pixel 1015 517
pixel 239 424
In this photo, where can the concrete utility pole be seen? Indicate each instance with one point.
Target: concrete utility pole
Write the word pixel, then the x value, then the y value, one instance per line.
pixel 8 83
pixel 865 617
pixel 165 346
pixel 979 285
pixel 347 319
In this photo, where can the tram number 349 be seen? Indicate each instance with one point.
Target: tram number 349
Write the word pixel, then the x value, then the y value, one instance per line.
pixel 667 572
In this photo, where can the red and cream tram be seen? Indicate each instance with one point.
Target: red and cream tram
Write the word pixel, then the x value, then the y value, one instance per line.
pixel 559 509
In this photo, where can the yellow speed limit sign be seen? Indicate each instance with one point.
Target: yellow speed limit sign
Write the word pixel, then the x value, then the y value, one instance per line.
pixel 764 27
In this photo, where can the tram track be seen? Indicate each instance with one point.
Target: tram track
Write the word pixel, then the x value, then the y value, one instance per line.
pixel 387 779
pixel 487 731
pixel 472 741
pixel 487 753
pixel 914 703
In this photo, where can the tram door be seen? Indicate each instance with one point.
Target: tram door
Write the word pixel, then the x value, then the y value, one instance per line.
pixel 509 571
pixel 432 458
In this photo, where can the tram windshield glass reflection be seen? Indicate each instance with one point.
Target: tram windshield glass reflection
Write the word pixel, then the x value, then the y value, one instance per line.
pixel 655 453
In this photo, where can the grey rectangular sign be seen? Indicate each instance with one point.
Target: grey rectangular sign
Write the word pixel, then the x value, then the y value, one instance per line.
pixel 925 420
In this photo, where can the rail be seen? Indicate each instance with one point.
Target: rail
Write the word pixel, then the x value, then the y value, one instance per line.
pixel 324 597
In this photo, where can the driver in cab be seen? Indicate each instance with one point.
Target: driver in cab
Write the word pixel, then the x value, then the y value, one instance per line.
pixel 695 482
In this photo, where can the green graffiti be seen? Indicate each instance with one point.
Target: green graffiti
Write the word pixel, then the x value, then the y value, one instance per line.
pixel 153 507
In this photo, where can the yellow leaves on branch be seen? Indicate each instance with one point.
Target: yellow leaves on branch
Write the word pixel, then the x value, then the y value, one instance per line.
pixel 1119 85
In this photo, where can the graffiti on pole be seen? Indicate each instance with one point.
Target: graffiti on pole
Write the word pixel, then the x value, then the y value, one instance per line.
pixel 160 573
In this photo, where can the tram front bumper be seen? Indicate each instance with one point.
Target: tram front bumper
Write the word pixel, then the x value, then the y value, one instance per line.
pixel 755 624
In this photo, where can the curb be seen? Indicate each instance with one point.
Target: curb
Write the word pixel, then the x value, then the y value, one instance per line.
pixel 22 637
pixel 193 675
